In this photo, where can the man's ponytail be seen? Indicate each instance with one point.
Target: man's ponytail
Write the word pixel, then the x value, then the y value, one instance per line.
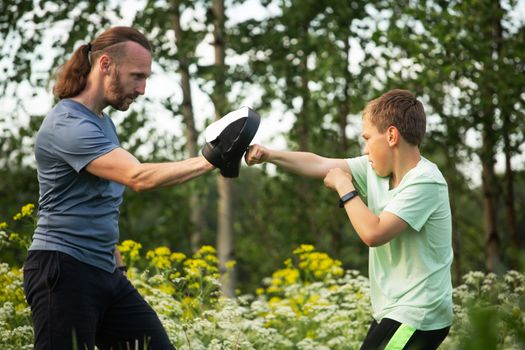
pixel 72 76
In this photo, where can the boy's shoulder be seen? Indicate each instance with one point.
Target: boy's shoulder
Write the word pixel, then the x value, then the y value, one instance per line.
pixel 426 172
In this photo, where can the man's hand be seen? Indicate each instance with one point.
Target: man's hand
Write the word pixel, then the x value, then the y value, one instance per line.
pixel 256 154
pixel 339 180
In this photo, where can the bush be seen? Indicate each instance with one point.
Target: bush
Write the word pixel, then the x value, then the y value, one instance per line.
pixel 311 303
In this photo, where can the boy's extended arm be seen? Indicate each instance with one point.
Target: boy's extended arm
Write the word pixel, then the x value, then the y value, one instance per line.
pixel 373 230
pixel 302 163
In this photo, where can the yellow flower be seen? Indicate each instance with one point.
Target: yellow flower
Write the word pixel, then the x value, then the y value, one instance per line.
pixel 14 237
pixel 163 251
pixel 178 257
pixel 174 275
pixel 259 291
pixel 274 300
pixel 230 264
pixel 196 263
pixel 194 285
pixel 206 249
pixel 273 289
pixel 27 209
pixel 17 217
pixel 310 334
pixel 166 288
pixel 3 225
pixel 337 271
pixel 159 257
pixel 304 248
pixel 129 245
pixel 212 259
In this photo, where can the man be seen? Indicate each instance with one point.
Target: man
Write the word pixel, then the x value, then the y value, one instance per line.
pixel 77 295
pixel 397 201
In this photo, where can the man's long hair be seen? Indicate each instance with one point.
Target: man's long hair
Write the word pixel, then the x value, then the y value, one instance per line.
pixel 72 76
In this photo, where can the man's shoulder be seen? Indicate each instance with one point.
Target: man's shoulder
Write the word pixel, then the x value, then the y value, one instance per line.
pixel 70 114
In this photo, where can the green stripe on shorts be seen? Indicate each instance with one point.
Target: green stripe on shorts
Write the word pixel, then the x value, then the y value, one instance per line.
pixel 400 337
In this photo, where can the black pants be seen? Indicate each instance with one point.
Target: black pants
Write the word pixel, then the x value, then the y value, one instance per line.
pixel 380 334
pixel 72 301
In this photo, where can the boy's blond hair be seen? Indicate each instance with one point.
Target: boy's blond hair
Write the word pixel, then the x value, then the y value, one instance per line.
pixel 401 109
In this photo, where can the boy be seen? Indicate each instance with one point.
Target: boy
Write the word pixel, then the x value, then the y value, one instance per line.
pixel 397 201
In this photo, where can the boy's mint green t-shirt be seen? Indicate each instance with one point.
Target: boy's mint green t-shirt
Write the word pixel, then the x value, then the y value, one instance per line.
pixel 410 278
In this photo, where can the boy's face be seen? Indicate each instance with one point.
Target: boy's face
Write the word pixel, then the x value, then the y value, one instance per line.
pixel 377 149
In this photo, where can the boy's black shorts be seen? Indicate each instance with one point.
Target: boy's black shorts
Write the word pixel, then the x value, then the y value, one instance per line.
pixel 103 309
pixel 390 334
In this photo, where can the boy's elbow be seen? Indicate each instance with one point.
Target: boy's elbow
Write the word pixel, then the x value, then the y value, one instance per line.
pixel 370 242
pixel 372 239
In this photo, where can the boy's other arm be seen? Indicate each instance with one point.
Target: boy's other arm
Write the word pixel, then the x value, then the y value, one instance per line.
pixel 302 163
pixel 373 230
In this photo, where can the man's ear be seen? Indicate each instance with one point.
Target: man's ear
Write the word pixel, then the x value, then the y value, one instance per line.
pixel 392 135
pixel 104 63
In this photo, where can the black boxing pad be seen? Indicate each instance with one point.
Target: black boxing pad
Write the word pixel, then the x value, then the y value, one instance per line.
pixel 228 138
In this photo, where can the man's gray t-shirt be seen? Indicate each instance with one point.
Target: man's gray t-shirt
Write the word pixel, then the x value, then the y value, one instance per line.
pixel 78 212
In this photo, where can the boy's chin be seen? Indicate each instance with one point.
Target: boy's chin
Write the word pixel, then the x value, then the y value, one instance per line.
pixel 381 174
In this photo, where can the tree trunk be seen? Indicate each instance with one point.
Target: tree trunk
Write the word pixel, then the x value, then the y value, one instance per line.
pixel 509 194
pixel 303 128
pixel 344 110
pixel 345 103
pixel 225 240
pixel 456 235
pixel 198 223
pixel 507 148
pixel 492 240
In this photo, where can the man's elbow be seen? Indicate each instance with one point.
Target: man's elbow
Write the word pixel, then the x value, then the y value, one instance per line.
pixel 138 187
pixel 137 183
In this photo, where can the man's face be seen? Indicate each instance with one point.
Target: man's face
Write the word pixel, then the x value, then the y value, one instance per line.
pixel 377 149
pixel 127 79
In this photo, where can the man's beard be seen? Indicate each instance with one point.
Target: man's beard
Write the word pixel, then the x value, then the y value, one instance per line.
pixel 117 98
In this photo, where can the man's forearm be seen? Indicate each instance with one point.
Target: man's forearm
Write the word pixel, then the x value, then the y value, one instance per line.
pixel 149 176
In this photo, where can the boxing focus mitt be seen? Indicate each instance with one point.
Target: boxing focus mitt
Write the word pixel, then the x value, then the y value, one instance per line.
pixel 228 138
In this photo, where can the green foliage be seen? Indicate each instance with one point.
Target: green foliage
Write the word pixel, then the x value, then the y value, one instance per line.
pixel 298 59
pixel 489 311
pixel 310 303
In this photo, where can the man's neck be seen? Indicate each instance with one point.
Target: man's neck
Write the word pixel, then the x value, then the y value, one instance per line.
pixel 91 98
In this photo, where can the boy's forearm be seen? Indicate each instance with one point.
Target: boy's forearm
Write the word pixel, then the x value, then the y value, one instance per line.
pixel 302 163
pixel 374 230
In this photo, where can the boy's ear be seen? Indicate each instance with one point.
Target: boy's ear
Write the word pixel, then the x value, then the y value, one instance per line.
pixel 392 135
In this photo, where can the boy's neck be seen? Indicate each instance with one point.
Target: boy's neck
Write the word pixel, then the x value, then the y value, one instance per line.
pixel 406 159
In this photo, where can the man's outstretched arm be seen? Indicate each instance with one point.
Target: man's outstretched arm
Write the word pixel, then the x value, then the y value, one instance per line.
pixel 121 166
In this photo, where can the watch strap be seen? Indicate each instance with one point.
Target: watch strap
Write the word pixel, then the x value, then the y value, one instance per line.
pixel 345 198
